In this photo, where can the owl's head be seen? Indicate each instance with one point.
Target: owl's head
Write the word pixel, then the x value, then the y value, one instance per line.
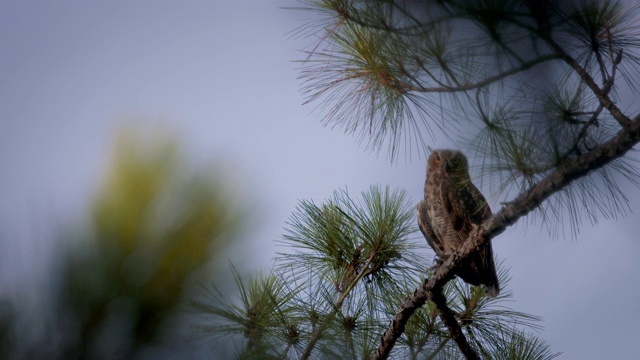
pixel 451 162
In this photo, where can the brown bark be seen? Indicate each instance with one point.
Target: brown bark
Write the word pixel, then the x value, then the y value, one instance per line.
pixel 450 321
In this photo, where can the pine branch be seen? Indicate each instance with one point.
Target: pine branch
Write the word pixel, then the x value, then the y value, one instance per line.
pixel 489 80
pixel 442 275
pixel 450 321
pixel 560 178
pixel 347 14
pixel 338 305
pixel 606 88
pixel 564 174
pixel 599 93
pixel 379 71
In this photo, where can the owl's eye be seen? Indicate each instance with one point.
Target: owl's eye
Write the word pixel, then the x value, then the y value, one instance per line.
pixel 455 161
pixel 437 159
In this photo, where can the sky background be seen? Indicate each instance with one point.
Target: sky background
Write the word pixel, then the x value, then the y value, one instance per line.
pixel 221 75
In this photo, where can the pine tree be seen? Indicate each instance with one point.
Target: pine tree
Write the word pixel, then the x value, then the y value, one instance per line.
pixel 528 88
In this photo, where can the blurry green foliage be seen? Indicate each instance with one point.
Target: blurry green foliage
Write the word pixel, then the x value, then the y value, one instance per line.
pixel 154 225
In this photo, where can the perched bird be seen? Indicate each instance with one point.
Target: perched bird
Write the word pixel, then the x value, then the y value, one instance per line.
pixel 451 207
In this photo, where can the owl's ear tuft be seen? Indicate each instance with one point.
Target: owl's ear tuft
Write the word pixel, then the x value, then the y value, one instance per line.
pixel 430 149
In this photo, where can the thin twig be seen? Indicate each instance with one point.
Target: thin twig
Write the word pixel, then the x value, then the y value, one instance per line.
pixel 491 79
pixel 327 321
pixel 603 98
pixel 437 350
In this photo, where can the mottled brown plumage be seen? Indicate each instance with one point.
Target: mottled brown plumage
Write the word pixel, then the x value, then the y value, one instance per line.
pixel 451 207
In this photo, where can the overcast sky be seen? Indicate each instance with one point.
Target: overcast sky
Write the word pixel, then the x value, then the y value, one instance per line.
pixel 221 75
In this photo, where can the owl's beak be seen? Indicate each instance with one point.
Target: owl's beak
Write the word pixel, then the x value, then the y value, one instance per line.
pixel 447 166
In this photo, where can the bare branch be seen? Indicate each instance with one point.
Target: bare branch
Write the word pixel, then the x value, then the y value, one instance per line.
pixel 449 319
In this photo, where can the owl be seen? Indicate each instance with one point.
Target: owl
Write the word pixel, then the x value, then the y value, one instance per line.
pixel 451 207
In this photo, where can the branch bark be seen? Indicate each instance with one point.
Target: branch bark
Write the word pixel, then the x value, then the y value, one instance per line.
pixel 558 179
pixel 450 321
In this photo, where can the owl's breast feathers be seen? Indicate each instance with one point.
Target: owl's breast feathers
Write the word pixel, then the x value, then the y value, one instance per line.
pixel 452 211
pixel 446 218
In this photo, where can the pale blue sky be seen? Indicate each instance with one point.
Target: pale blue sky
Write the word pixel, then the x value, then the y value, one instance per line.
pixel 221 74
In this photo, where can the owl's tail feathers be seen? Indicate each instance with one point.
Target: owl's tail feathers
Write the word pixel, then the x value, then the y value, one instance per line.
pixel 491 283
pixel 492 290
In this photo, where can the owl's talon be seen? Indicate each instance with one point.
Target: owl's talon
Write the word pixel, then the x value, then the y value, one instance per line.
pixel 437 262
pixel 433 267
pixel 454 255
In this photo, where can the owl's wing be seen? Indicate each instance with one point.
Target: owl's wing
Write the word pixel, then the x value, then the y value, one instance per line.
pixel 466 207
pixel 424 222
pixel 480 270
pixel 458 204
pixel 474 205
